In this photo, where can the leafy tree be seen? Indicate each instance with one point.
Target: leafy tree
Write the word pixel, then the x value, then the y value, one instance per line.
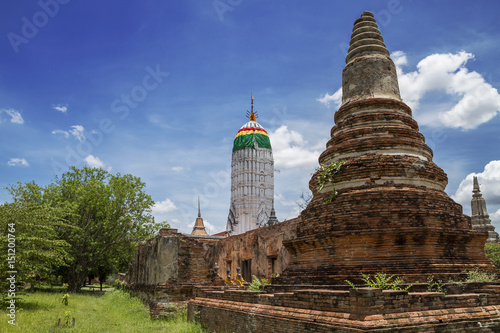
pixel 30 227
pixel 110 215
pixel 492 252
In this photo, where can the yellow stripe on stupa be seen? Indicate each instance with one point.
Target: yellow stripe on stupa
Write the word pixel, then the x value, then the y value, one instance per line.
pixel 251 131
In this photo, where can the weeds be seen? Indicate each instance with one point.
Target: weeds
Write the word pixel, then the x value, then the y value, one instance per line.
pixel 434 285
pixel 382 281
pixel 475 275
pixel 326 174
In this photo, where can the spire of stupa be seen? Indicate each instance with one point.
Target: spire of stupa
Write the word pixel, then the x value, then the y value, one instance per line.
pixel 475 188
pixel 252 115
pixel 480 219
pixel 199 226
pixel 370 72
pixel 366 38
pixel 199 211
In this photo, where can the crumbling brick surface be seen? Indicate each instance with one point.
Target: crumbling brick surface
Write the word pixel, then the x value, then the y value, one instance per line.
pixel 356 310
pixel 261 246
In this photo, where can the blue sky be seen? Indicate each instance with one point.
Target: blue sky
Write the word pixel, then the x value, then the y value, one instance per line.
pixel 158 89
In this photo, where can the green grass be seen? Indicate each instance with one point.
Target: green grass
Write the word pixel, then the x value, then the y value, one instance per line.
pixel 115 311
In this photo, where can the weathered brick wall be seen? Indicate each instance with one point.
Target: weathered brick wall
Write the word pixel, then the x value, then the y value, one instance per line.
pixel 360 309
pixel 155 262
pixel 361 302
pixel 262 246
pixel 167 266
pixel 174 258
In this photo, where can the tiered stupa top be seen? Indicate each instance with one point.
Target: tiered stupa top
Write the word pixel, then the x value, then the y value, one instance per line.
pixel 250 134
pixel 385 210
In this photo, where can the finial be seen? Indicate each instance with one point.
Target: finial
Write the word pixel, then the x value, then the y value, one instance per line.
pixel 199 212
pixel 252 115
pixel 476 189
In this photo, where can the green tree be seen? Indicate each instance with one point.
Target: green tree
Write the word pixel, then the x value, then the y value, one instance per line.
pixel 492 252
pixel 30 240
pixel 110 215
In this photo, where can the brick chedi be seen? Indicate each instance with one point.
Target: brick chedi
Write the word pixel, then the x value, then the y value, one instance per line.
pixel 479 217
pixel 391 213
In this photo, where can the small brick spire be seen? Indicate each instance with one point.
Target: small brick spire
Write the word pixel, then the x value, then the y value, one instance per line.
pixel 199 226
pixel 366 38
pixel 369 71
pixel 480 219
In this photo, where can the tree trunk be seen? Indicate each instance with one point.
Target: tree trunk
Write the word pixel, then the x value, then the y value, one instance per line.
pixel 76 277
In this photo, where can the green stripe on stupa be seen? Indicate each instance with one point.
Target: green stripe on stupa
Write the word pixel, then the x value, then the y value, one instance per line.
pixel 249 140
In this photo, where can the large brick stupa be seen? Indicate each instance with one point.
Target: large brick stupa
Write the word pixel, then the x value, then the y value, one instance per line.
pixel 391 213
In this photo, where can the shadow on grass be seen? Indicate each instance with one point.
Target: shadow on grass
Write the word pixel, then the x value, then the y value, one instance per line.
pixel 29 305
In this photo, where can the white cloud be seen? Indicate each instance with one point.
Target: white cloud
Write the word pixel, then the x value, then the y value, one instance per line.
pixel 177 168
pixel 61 133
pixel 61 108
pixel 489 182
pixel 495 218
pixel 15 116
pixel 159 121
pixel 472 100
pixel 165 206
pixel 335 98
pixel 18 162
pixel 290 150
pixel 95 162
pixel 77 132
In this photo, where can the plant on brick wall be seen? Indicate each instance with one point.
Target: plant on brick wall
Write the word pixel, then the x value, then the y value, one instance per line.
pixel 492 252
pixel 435 285
pixel 475 275
pixel 258 285
pixel 325 176
pixel 382 281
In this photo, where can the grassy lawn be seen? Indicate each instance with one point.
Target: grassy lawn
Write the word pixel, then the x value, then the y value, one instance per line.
pixel 115 311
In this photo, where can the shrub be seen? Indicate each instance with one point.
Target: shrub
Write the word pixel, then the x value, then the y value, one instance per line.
pixel 475 275
pixel 492 252
pixel 258 285
pixel 65 299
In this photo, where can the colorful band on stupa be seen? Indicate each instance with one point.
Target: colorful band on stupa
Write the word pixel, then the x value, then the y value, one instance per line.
pixel 247 136
pixel 250 133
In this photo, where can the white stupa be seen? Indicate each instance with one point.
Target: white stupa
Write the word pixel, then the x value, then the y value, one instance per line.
pixel 252 179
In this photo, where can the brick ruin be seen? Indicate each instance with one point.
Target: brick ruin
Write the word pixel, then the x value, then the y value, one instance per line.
pixel 390 214
pixel 169 267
